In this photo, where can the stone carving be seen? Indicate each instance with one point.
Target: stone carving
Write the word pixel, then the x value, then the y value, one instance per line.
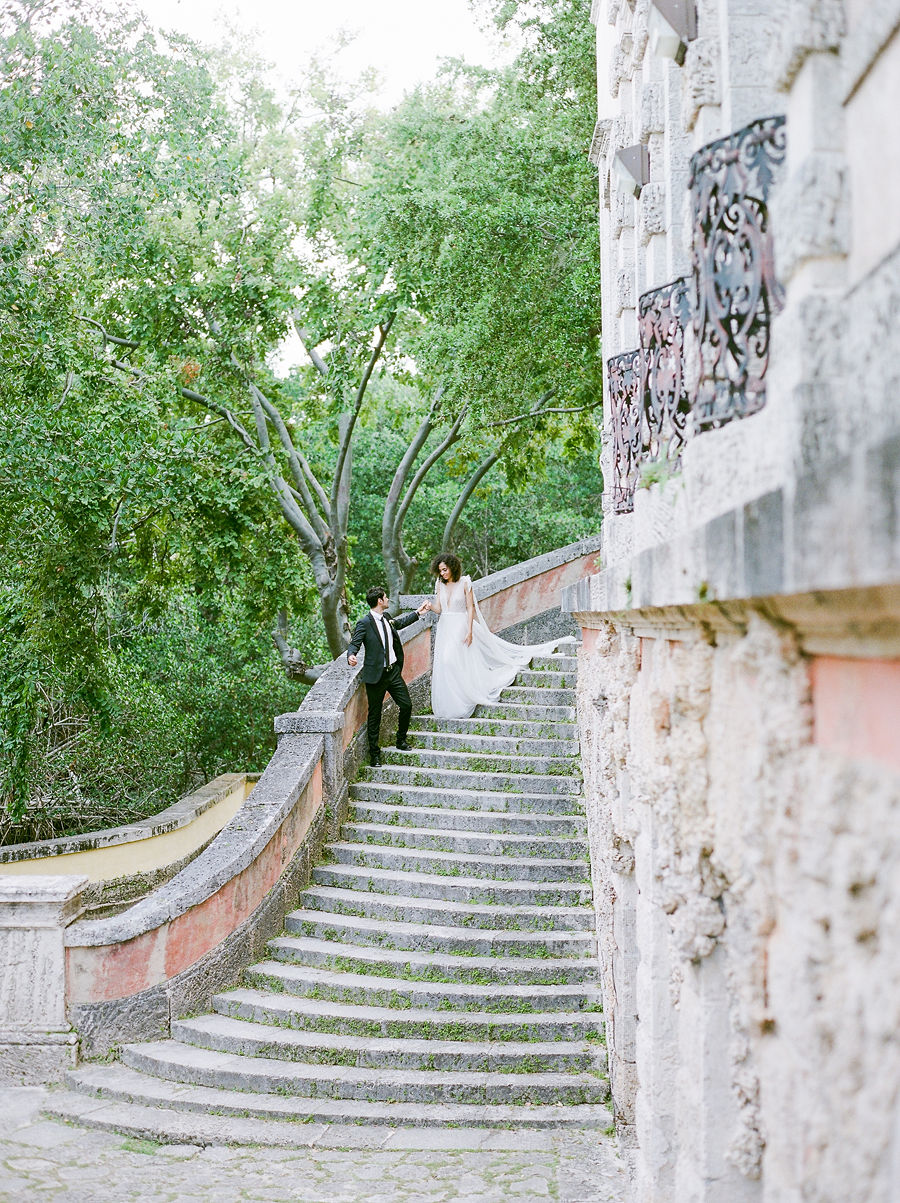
pixel 641 28
pixel 653 112
pixel 617 70
pixel 811 213
pixel 621 131
pixel 805 27
pixel 701 78
pixel 663 316
pixel 652 205
pixel 622 209
pixel 734 277
pixel 624 295
pixel 600 140
pixel 623 390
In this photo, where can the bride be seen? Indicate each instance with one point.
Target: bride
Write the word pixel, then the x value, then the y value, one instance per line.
pixel 470 666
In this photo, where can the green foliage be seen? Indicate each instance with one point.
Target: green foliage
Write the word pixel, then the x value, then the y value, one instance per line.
pixel 167 221
pixel 481 187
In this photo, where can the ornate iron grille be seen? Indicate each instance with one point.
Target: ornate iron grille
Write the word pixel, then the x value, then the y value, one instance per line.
pixel 623 374
pixel 663 316
pixel 734 279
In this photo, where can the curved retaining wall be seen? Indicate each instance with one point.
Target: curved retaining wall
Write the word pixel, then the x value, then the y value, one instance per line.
pixel 125 978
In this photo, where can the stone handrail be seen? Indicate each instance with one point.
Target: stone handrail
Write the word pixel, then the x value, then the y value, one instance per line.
pixel 126 977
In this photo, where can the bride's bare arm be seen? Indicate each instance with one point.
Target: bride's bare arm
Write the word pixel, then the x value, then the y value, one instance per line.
pixel 436 600
pixel 470 609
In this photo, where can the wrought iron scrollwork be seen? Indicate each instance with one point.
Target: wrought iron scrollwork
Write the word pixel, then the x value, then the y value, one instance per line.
pixel 734 279
pixel 624 391
pixel 663 317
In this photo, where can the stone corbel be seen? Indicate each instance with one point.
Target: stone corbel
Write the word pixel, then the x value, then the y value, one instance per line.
pixel 641 29
pixel 811 214
pixel 805 27
pixel 652 114
pixel 701 78
pixel 600 140
pixel 624 290
pixel 652 204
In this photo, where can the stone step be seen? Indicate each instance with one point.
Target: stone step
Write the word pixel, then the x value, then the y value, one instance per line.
pixel 484 762
pixel 117 1098
pixel 491 745
pixel 543 677
pixel 178 1062
pixel 559 662
pixel 486 725
pixel 386 792
pixel 440 779
pixel 416 965
pixel 453 889
pixel 459 864
pixel 532 713
pixel 319 1015
pixel 433 937
pixel 389 909
pixel 492 822
pixel 474 843
pixel 224 1034
pixel 531 695
pixel 403 993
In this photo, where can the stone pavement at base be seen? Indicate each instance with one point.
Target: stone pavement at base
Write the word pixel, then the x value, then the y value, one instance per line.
pixel 46 1161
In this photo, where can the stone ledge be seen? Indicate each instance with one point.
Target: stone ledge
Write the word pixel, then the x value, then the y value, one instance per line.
pixel 179 814
pixel 836 531
pixel 237 845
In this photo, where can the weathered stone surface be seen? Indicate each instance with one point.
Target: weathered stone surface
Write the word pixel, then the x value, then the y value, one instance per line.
pixel 701 78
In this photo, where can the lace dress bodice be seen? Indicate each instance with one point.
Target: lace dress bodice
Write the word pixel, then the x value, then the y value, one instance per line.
pixel 453 597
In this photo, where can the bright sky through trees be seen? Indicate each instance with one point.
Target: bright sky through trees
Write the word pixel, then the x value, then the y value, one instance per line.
pixel 402 39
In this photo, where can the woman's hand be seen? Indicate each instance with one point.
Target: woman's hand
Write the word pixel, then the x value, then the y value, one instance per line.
pixel 426 605
pixel 468 639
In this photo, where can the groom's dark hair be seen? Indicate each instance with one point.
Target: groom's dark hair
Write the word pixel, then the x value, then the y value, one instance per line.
pixel 373 595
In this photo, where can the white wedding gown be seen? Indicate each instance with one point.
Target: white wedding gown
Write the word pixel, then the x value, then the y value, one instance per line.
pixel 465 677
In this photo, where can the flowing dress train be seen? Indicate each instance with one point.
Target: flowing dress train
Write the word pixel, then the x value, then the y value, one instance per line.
pixel 463 677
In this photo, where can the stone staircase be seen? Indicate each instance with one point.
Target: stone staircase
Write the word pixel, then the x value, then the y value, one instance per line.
pixel 439 972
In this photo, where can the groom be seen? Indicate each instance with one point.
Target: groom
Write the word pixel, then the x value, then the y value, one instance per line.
pixel 377 632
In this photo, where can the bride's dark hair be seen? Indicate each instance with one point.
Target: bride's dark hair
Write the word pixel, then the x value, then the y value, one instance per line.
pixel 452 562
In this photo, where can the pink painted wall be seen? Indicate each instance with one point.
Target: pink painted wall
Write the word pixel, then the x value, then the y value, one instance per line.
pixel 856 707
pixel 533 597
pixel 99 974
pixel 417 656
pixel 354 715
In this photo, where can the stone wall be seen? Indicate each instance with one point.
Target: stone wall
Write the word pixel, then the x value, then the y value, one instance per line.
pixel 739 691
pixel 68 982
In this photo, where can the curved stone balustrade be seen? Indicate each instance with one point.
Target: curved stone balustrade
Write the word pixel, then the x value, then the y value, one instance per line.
pixel 126 977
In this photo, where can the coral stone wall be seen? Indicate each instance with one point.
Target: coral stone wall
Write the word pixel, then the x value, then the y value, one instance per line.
pixel 739 692
pixel 749 918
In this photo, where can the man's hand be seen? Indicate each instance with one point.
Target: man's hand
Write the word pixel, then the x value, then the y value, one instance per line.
pixel 351 660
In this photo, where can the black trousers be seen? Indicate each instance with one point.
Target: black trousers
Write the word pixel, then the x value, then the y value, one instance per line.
pixel 391 681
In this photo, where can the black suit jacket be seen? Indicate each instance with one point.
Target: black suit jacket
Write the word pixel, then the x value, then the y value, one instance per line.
pixel 367 635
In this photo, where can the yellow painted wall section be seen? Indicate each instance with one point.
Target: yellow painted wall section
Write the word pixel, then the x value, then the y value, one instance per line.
pixel 139 856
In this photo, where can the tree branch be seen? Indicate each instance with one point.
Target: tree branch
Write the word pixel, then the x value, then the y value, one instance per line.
pixel 539 410
pixel 306 338
pixel 292 660
pixel 468 489
pixel 429 462
pixel 107 337
pixel 347 435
